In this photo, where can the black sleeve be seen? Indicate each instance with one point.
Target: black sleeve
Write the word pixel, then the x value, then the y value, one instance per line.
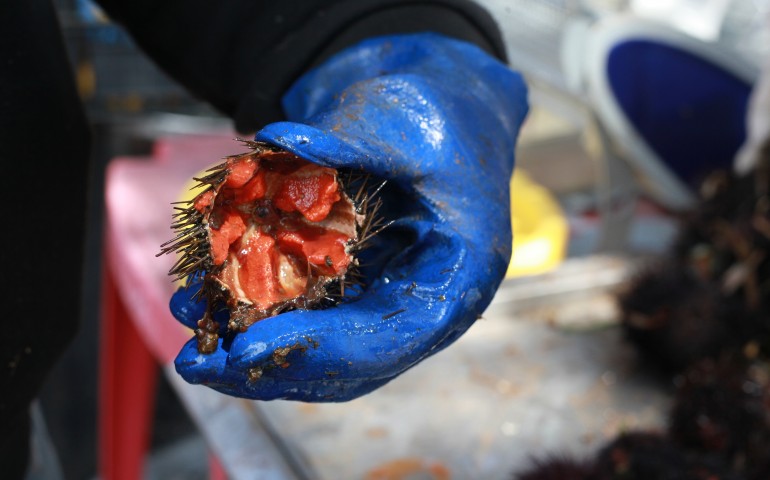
pixel 242 55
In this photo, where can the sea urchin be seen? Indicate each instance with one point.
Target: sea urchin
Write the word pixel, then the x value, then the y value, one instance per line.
pixel 270 232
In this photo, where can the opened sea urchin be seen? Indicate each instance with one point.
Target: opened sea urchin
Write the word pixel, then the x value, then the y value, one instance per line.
pixel 270 232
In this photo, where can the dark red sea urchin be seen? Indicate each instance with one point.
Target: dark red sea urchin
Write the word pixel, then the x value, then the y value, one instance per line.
pixel 270 232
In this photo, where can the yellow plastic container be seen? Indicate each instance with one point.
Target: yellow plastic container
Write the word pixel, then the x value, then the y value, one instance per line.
pixel 540 228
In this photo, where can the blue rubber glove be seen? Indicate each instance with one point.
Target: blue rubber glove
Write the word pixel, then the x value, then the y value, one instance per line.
pixel 438 119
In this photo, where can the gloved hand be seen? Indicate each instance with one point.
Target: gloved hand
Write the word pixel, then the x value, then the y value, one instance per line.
pixel 438 119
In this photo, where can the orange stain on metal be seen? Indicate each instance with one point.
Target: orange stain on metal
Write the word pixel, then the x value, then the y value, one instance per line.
pixel 409 467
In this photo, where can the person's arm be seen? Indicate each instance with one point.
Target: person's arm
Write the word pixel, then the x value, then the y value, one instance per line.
pixel 242 56
pixel 436 113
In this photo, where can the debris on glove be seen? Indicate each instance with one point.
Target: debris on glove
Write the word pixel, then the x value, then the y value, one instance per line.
pixel 269 233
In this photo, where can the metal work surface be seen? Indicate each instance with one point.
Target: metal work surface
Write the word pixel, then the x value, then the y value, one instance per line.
pixel 514 386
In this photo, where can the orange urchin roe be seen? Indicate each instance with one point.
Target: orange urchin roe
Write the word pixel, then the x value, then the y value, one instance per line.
pixel 310 190
pixel 253 189
pixel 278 224
pixel 240 172
pixel 203 200
pixel 257 274
pixel 231 229
pixel 324 249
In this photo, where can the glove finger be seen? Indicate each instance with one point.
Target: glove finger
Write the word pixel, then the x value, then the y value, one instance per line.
pixel 187 309
pixel 406 127
pixel 266 388
pixel 326 148
pixel 414 136
pixel 213 371
pixel 448 180
pixel 199 368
